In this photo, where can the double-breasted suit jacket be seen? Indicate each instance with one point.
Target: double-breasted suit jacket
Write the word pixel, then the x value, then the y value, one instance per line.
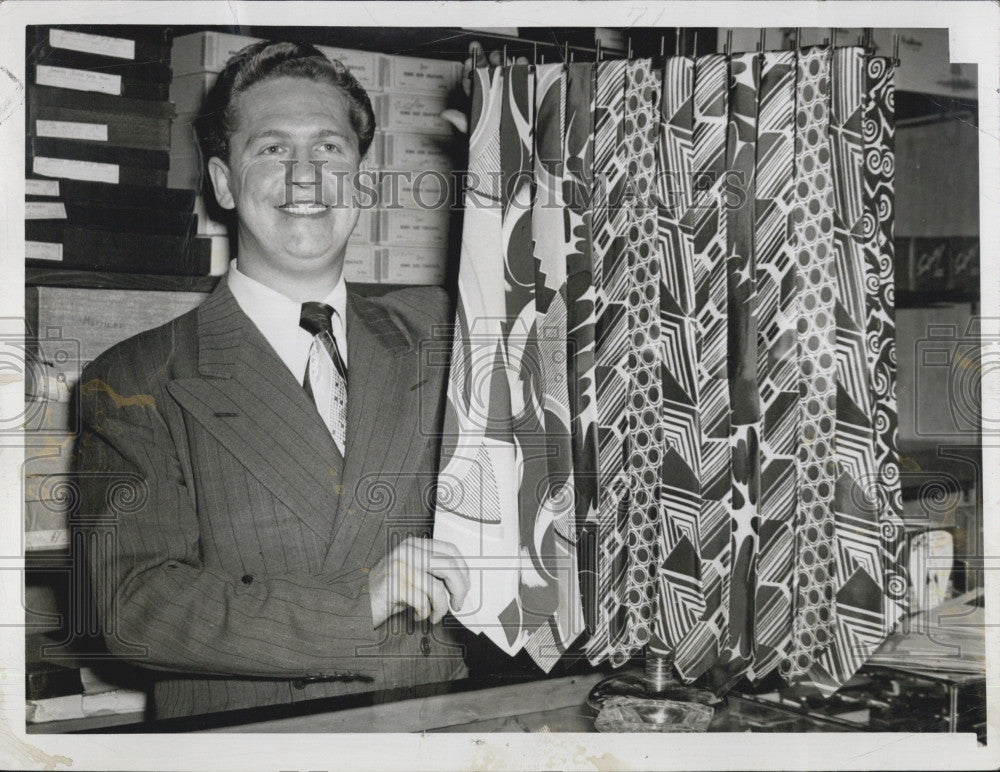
pixel 237 539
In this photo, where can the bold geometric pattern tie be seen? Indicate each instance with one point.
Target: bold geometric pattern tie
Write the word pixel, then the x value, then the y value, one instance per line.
pixel 816 284
pixel 681 602
pixel 862 609
pixel 476 507
pixel 611 282
pixel 539 590
pixel 581 322
pixel 707 220
pixel 777 362
pixel 879 207
pixel 326 374
pixel 553 521
pixel 741 152
pixel 645 423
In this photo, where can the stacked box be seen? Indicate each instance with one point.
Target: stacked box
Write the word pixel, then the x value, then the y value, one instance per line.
pixel 418 147
pixel 98 117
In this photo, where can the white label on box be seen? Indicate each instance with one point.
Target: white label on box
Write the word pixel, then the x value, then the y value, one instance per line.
pixel 98 132
pixel 80 80
pixel 414 226
pixel 46 540
pixel 43 250
pixel 415 112
pixel 414 266
pixel 359 264
pixel 220 47
pixel 92 44
pixel 415 151
pixel 41 187
pixel 90 171
pixel 44 210
pixel 435 76
pixel 362 64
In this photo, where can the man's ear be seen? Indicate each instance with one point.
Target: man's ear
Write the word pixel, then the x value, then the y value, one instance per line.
pixel 218 170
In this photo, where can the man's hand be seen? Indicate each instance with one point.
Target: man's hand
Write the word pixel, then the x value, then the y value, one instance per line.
pixel 426 574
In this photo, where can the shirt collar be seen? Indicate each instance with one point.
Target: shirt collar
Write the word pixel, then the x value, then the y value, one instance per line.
pixel 277 317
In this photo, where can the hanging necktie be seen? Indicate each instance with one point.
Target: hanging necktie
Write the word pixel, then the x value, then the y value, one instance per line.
pixel 581 321
pixel 476 507
pixel 879 164
pixel 863 611
pixel 681 603
pixel 744 400
pixel 611 283
pixel 777 357
pixel 816 284
pixel 645 423
pixel 326 374
pixel 707 220
pixel 552 517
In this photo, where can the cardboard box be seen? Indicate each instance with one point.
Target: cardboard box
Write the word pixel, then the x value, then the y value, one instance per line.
pixel 415 74
pixel 413 265
pixel 415 113
pixel 208 52
pixel 361 264
pixel 404 150
pixel 416 227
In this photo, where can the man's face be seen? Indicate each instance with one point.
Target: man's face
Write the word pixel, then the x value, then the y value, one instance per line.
pixel 289 119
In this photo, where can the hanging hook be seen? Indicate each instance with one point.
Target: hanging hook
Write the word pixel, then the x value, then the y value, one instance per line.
pixel 475 60
pixel 663 46
pixel 729 42
pixel 534 55
pixel 503 62
pixel 798 38
pixel 597 56
pixel 895 50
pixel 762 43
pixel 694 46
pixel 629 55
pixel 678 42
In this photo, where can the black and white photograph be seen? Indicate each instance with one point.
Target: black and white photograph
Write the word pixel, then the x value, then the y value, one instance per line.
pixel 509 385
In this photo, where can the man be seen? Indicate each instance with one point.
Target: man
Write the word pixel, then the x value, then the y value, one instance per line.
pixel 273 547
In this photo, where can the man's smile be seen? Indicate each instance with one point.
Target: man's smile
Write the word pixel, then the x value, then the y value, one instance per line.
pixel 304 209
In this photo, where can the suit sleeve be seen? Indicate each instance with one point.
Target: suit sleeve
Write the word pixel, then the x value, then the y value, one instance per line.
pixel 159 605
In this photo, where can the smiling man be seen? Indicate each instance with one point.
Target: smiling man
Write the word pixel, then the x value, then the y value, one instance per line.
pixel 274 544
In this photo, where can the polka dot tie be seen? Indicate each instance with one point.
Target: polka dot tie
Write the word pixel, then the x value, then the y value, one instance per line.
pixel 816 284
pixel 326 374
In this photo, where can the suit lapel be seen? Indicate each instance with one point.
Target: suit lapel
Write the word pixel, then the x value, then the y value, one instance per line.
pixel 250 402
pixel 382 419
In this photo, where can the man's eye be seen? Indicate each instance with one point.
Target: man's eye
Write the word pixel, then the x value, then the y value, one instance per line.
pixel 271 150
pixel 330 147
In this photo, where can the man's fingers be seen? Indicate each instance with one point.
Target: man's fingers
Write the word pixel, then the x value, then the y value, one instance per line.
pixel 442 560
pixel 439 600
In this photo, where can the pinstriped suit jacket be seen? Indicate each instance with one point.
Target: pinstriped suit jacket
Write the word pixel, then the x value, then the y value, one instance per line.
pixel 240 562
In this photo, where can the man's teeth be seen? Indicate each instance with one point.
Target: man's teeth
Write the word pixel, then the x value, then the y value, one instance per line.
pixel 303 207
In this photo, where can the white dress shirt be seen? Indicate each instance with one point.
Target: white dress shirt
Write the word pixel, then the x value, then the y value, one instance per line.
pixel 277 318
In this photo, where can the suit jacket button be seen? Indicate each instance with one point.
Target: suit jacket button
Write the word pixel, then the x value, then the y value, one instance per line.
pixel 425 645
pixel 247 578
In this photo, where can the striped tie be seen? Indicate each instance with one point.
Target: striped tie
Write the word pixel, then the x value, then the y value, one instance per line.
pixel 862 611
pixel 681 603
pixel 611 283
pixel 706 219
pixel 816 284
pixel 326 374
pixel 581 322
pixel 777 362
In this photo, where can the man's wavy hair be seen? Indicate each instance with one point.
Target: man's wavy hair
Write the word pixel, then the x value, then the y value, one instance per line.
pixel 216 121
